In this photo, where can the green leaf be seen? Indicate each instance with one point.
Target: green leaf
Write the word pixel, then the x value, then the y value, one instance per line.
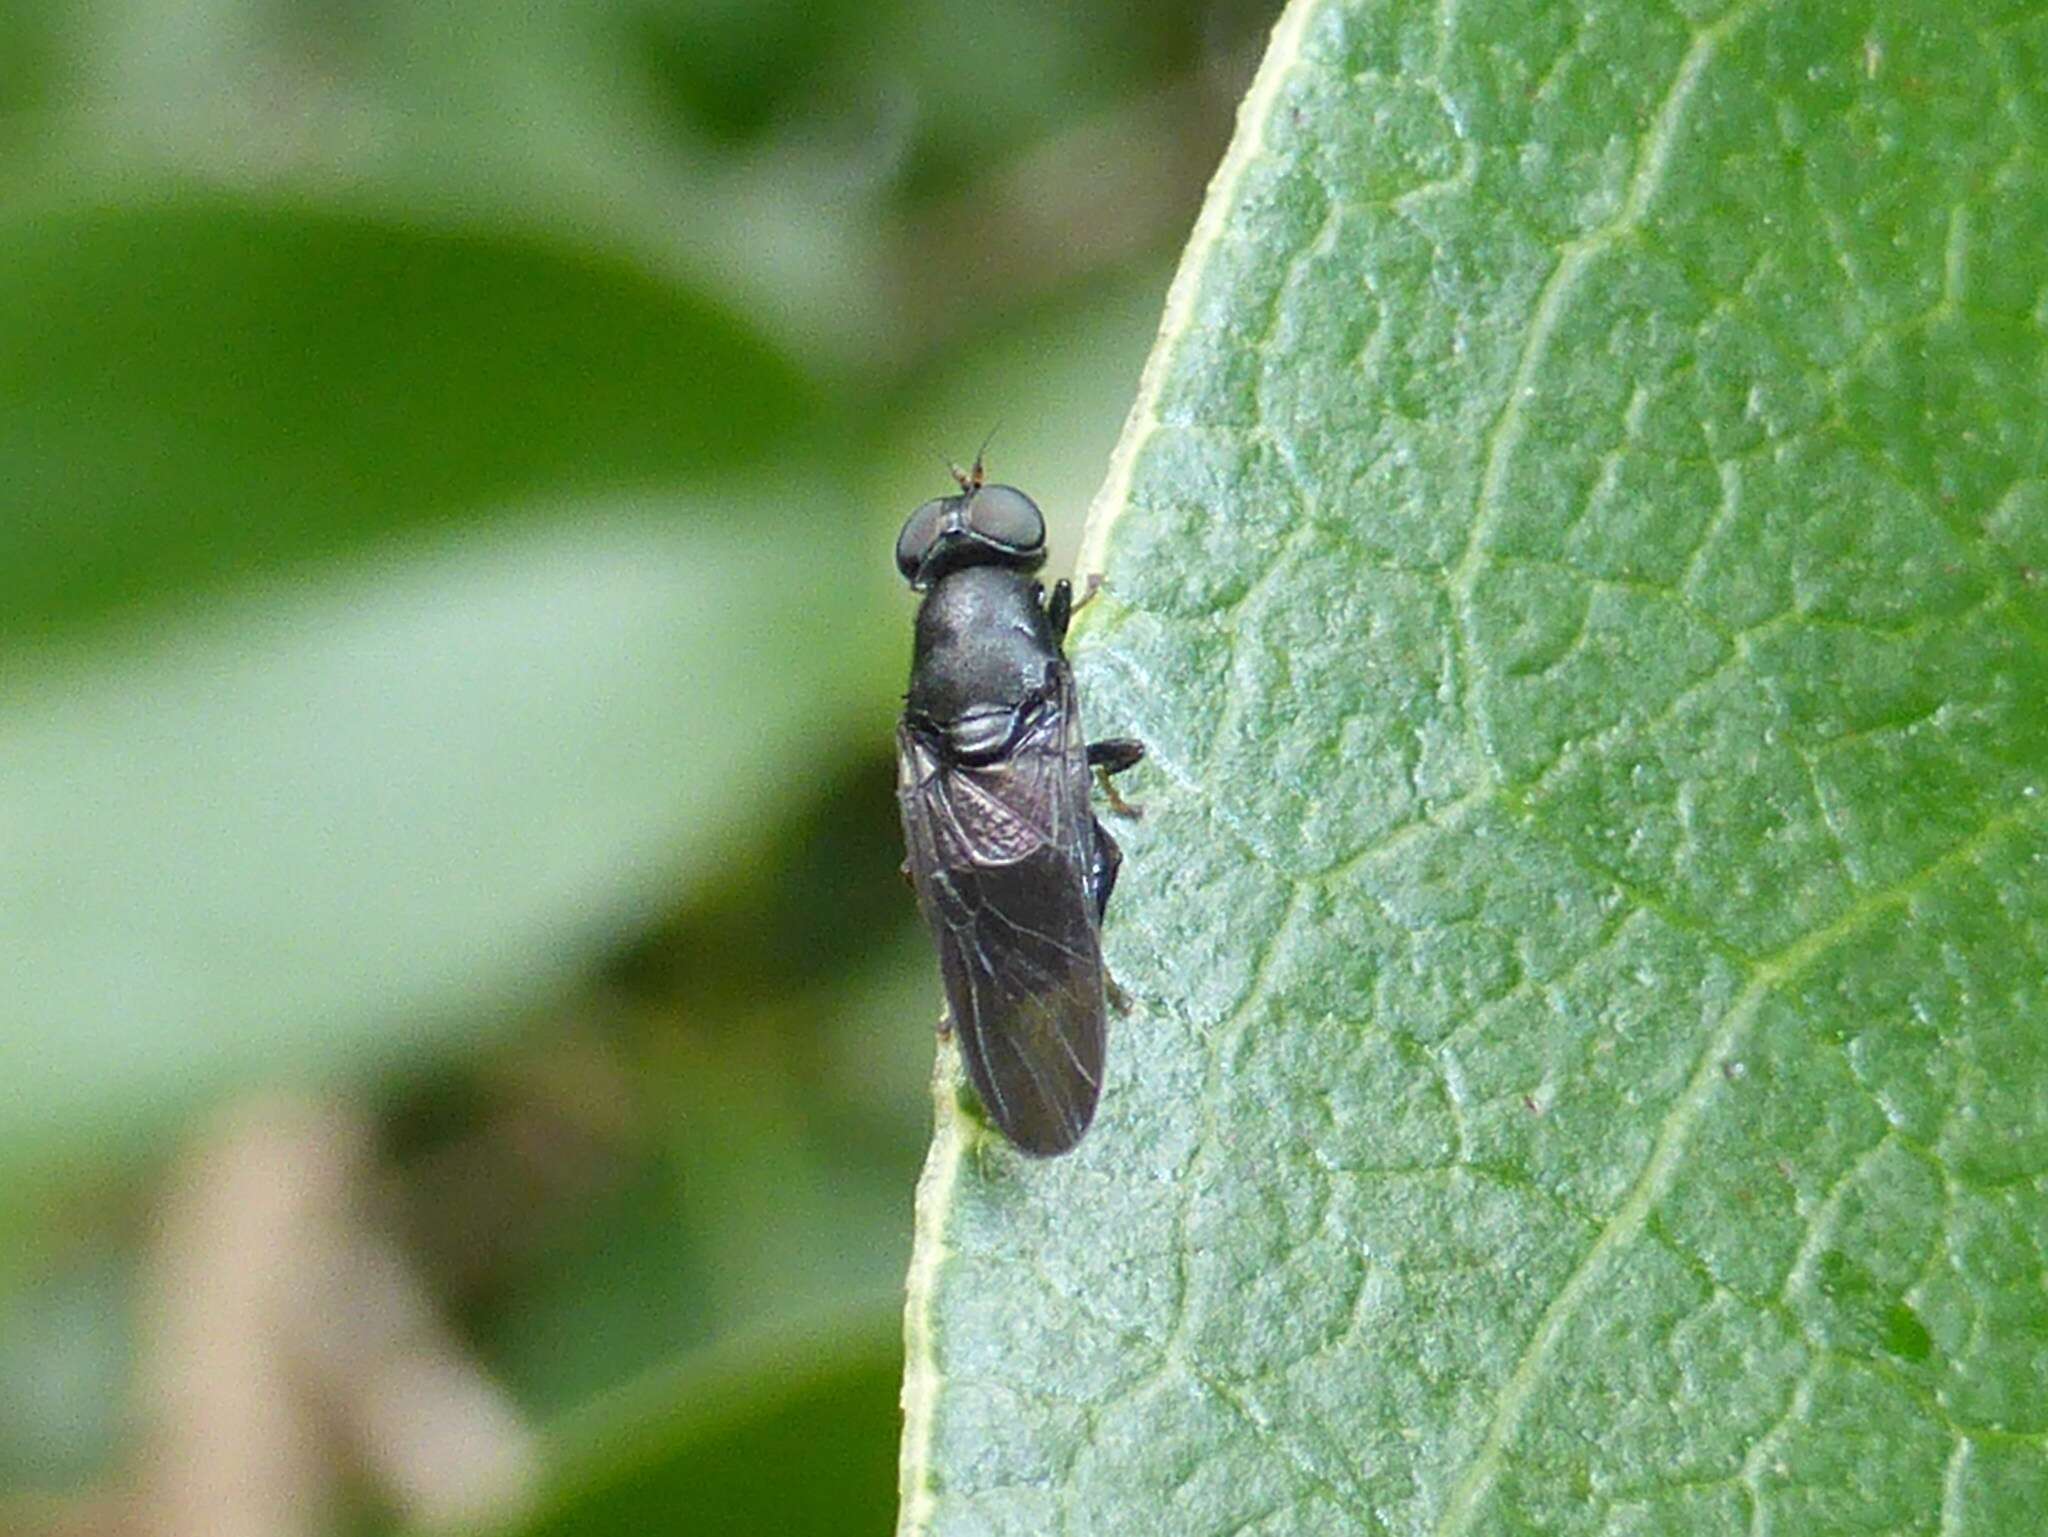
pixel 1576 559
pixel 334 824
pixel 393 621
pixel 784 1433
pixel 202 388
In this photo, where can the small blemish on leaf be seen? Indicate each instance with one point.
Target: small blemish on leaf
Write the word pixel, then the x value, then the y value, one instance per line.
pixel 1905 1336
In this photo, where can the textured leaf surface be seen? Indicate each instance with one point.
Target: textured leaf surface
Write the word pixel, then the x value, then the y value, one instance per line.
pixel 1577 559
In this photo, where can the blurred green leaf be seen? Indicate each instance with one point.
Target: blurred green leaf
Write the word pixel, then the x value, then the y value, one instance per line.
pixel 435 700
pixel 993 75
pixel 736 69
pixel 64 1356
pixel 202 388
pixel 772 1194
pixel 784 156
pixel 790 1433
pixel 1576 564
pixel 27 47
pixel 337 822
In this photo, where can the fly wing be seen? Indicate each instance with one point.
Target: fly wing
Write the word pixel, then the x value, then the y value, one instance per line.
pixel 999 854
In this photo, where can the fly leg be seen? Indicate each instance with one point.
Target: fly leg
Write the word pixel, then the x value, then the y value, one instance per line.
pixel 1062 606
pixel 1113 755
pixel 1059 609
pixel 1102 872
pixel 1101 882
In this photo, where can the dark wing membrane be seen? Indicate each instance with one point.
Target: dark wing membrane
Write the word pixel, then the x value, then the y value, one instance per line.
pixel 1000 855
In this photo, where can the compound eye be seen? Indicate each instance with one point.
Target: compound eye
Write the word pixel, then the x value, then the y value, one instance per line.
pixel 1006 517
pixel 920 533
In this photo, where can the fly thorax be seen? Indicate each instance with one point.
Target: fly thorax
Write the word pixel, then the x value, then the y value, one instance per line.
pixel 982 648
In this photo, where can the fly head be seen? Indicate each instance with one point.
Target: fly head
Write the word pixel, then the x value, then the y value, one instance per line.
pixel 985 525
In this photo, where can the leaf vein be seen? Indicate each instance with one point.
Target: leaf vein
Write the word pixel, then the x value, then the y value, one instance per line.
pixel 1770 974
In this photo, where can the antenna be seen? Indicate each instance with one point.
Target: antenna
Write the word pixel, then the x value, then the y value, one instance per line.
pixel 976 473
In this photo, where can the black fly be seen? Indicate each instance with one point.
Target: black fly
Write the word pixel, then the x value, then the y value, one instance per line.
pixel 1012 869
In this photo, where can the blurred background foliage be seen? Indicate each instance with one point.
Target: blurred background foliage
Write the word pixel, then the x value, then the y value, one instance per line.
pixel 464 1040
